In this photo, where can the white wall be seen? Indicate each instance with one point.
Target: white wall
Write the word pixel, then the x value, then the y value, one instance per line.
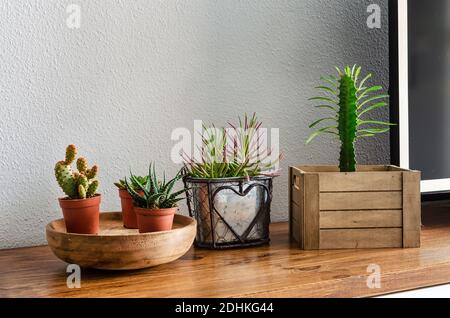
pixel 135 70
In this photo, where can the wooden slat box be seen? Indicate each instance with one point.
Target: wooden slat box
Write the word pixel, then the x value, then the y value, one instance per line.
pixel 375 207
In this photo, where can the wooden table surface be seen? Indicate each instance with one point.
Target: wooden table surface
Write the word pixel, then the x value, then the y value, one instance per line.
pixel 278 270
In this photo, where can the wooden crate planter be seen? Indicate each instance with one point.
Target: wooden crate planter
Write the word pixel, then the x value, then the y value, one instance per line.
pixel 375 207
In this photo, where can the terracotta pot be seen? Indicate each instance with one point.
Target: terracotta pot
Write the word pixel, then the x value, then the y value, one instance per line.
pixel 128 215
pixel 154 220
pixel 81 215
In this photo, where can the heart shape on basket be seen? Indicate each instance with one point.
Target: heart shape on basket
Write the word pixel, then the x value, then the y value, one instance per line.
pixel 238 209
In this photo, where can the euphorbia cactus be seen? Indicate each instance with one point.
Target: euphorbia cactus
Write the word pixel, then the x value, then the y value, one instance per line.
pixel 349 100
pixel 76 185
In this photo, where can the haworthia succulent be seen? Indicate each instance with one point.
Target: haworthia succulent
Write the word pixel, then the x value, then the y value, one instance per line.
pixel 155 193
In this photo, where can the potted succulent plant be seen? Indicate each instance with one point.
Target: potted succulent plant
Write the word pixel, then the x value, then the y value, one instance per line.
pixel 351 206
pixel 155 202
pixel 81 207
pixel 230 186
pixel 126 201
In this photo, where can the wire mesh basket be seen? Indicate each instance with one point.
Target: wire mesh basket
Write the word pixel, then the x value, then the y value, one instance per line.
pixel 230 212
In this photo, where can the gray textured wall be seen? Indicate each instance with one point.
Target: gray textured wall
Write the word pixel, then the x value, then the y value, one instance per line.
pixel 135 70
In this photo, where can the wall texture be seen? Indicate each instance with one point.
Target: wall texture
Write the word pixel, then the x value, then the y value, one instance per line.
pixel 135 70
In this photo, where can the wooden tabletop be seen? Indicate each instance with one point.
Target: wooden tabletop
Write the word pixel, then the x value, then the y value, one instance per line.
pixel 278 270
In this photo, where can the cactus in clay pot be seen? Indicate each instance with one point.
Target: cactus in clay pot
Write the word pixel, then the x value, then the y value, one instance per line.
pixel 79 184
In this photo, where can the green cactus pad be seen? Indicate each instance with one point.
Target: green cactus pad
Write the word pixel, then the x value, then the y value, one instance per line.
pixel 82 165
pixel 81 192
pixel 92 173
pixel 83 180
pixel 65 179
pixel 92 190
pixel 71 153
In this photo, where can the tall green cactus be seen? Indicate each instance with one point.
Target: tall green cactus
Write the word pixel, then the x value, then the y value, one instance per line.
pixel 349 100
pixel 76 185
pixel 347 121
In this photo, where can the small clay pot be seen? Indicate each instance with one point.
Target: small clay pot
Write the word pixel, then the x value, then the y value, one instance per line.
pixel 154 220
pixel 81 215
pixel 128 214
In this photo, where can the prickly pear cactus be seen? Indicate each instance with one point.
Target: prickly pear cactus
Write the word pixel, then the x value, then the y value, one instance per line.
pixel 76 185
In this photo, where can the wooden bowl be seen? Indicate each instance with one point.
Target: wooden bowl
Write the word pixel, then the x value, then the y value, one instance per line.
pixel 118 248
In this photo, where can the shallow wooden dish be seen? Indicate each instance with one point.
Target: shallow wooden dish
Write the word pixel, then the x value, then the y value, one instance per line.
pixel 118 248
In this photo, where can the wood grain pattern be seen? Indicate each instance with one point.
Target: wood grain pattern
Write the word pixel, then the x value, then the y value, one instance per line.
pixel 360 200
pixel 359 168
pixel 297 224
pixel 296 207
pixel 361 238
pixel 395 168
pixel 361 219
pixel 297 188
pixel 311 211
pixel 374 197
pixel 295 234
pixel 411 208
pixel 278 270
pixel 360 181
pixel 118 248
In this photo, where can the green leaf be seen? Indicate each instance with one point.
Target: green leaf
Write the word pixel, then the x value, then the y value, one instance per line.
pixel 148 185
pixel 164 179
pixel 365 135
pixel 358 71
pixel 140 201
pixel 338 70
pixel 330 80
pixel 135 181
pixel 176 194
pixel 361 89
pixel 361 84
pixel 369 90
pixel 327 89
pixel 155 197
pixel 155 184
pixel 170 203
pixel 168 188
pixel 321 120
pixel 375 122
pixel 372 99
pixel 368 109
pixel 327 106
pixel 321 131
pixel 120 185
pixel 374 130
pixel 348 71
pixel 324 99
